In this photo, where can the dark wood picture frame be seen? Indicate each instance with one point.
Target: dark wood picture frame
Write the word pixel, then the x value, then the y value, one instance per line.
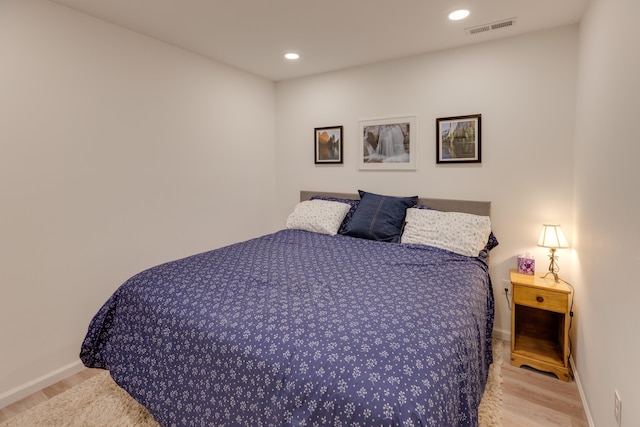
pixel 328 147
pixel 458 139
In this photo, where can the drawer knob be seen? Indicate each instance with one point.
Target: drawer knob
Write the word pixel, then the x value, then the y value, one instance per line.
pixel 539 299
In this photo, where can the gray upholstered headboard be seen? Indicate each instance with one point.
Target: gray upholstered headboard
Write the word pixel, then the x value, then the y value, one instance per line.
pixel 446 205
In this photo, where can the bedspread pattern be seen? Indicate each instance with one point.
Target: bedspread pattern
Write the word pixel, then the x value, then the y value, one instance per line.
pixel 298 328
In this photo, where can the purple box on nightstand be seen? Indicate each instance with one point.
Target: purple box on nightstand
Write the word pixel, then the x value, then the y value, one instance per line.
pixel 526 265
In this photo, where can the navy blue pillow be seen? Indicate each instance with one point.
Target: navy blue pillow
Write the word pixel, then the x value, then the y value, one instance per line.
pixel 379 217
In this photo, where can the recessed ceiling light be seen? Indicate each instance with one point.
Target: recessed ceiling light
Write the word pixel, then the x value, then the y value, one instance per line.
pixel 457 15
pixel 291 55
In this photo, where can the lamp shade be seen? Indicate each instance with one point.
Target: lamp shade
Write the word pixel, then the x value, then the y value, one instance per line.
pixel 552 237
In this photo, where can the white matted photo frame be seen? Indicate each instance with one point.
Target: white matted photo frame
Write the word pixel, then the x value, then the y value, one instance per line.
pixel 387 144
pixel 458 139
pixel 328 145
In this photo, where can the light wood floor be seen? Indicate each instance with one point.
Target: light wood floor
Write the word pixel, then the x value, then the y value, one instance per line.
pixel 529 398
pixel 534 399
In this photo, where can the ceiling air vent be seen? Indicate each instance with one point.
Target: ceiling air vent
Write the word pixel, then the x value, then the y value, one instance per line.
pixel 485 28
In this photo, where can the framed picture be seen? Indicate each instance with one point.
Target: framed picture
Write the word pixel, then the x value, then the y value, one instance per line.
pixel 458 139
pixel 328 145
pixel 388 144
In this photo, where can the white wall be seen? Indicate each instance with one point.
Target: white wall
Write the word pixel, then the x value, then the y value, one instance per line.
pixel 117 152
pixel 524 88
pixel 607 207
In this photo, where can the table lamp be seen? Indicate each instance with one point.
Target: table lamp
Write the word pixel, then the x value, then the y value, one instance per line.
pixel 553 238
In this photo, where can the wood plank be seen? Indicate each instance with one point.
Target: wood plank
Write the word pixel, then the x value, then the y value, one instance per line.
pixel 532 398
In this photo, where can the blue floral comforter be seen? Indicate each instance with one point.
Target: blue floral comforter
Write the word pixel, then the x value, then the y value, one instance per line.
pixel 304 329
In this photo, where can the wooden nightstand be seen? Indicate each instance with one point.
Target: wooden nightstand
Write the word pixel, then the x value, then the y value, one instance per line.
pixel 540 324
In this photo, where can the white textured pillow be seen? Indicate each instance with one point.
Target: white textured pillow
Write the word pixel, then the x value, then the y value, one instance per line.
pixel 319 216
pixel 462 233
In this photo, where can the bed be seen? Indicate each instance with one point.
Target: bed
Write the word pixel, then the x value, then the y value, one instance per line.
pixel 307 328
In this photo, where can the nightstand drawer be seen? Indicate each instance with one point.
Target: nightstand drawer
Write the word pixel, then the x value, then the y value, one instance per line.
pixel 540 298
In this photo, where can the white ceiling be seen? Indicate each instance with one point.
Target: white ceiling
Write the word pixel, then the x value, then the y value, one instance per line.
pixel 253 35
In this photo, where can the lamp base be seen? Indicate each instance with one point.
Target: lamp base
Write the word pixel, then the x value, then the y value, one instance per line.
pixel 555 276
pixel 553 266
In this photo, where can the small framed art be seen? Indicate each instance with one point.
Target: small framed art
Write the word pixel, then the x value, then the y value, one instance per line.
pixel 328 145
pixel 458 139
pixel 388 143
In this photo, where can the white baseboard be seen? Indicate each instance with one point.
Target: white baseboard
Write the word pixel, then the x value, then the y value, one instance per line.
pixel 20 392
pixel 503 335
pixel 583 397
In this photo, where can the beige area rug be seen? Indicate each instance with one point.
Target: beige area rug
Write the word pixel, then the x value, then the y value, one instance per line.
pixel 99 402
pixel 490 410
